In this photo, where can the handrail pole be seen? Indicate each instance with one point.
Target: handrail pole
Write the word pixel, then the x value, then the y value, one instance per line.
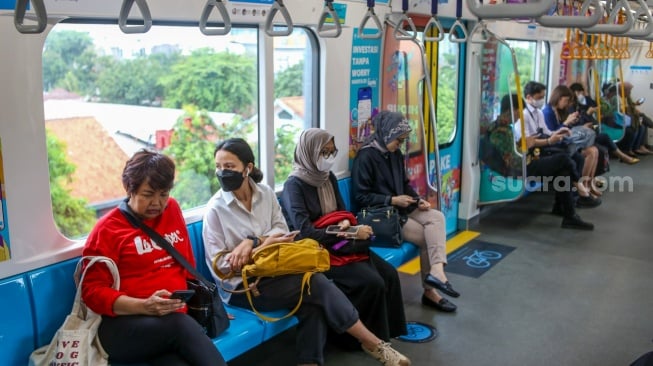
pixel 583 20
pixel 507 10
pixel 278 7
pixel 611 27
pixel 204 18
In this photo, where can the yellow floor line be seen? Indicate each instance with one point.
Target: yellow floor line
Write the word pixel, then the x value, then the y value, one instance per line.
pixel 412 267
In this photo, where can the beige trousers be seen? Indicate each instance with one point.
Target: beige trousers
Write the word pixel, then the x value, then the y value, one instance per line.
pixel 427 230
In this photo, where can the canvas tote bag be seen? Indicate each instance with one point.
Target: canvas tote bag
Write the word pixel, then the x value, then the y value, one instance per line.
pixel 76 343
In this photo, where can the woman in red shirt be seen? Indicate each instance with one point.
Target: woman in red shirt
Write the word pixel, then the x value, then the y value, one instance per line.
pixel 140 322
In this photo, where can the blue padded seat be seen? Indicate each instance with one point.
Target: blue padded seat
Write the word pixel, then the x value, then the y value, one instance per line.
pixel 16 331
pixel 53 292
pixel 245 332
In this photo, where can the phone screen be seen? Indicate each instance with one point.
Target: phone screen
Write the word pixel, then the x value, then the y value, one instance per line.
pixel 364 110
pixel 335 229
pixel 183 295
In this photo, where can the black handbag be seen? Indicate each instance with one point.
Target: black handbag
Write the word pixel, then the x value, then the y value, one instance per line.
pixel 386 224
pixel 205 306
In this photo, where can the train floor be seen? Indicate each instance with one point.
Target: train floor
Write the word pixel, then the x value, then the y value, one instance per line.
pixel 561 297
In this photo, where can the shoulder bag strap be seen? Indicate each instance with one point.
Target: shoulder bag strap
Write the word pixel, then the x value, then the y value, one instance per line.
pixel 124 208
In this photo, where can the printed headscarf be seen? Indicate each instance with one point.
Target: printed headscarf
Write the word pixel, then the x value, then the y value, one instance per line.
pixel 307 153
pixel 388 126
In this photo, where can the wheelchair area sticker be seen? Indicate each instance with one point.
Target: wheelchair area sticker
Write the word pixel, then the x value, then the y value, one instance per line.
pixel 476 257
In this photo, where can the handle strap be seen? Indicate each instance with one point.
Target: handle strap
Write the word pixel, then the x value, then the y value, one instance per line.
pixel 126 210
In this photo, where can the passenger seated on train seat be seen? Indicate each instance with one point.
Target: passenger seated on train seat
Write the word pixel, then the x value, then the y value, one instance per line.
pixel 498 147
pixel 371 284
pixel 555 165
pixel 535 126
pixel 633 139
pixel 639 118
pixel 379 178
pixel 245 214
pixel 556 115
pixel 586 107
pixel 140 322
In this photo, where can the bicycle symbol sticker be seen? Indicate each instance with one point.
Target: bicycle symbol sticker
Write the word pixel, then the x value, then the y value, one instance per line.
pixel 476 257
pixel 481 259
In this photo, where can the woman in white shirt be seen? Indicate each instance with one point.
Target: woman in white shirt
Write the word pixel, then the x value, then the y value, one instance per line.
pixel 245 214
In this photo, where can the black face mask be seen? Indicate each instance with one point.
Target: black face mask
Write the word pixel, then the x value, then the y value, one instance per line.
pixel 230 179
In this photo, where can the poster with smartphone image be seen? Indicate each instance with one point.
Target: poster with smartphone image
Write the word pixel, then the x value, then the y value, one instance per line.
pixel 364 88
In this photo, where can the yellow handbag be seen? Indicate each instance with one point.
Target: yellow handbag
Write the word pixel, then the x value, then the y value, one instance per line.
pixel 305 256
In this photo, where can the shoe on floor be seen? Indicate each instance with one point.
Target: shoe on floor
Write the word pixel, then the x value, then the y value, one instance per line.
pixel 387 355
pixel 587 202
pixel 442 305
pixel 445 287
pixel 575 222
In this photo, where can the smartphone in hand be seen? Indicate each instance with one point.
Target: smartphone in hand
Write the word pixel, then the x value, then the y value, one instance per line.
pixel 183 295
pixel 290 234
pixel 335 229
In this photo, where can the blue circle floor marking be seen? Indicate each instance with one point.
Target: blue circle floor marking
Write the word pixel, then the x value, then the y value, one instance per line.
pixel 419 333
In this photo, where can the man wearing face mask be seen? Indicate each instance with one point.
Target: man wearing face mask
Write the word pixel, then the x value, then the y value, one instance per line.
pixel 310 198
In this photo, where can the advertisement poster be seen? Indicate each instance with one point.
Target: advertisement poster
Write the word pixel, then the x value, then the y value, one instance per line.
pixel 4 230
pixel 364 88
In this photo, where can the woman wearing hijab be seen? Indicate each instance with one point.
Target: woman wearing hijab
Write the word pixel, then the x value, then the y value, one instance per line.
pixel 379 179
pixel 310 198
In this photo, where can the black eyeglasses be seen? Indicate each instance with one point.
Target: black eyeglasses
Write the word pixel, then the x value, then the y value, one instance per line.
pixel 326 153
pixel 401 140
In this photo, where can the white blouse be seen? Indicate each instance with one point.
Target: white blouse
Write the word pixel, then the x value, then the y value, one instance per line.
pixel 227 223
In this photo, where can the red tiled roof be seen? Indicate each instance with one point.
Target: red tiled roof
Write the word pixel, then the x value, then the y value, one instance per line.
pixel 296 104
pixel 98 158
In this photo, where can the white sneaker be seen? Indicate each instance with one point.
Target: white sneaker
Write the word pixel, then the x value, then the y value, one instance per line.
pixel 387 355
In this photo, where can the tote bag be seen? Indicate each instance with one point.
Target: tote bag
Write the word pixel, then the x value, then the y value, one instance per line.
pixel 76 342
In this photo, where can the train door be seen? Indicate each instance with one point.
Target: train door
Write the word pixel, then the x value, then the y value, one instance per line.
pixel 421 80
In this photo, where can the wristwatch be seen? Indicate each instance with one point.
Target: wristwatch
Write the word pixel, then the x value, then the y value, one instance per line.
pixel 255 239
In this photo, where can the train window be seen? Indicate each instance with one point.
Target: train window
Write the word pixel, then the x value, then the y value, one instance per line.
pixel 533 59
pixel 108 94
pixel 448 55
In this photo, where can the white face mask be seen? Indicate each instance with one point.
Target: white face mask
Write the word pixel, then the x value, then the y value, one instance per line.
pixel 581 99
pixel 324 165
pixel 538 103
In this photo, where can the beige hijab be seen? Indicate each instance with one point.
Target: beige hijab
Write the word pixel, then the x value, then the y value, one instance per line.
pixel 307 152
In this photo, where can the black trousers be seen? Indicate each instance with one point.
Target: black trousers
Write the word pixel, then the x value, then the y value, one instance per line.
pixel 560 166
pixel 324 307
pixel 373 287
pixel 173 339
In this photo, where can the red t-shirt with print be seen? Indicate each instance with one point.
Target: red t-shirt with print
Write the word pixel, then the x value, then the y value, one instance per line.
pixel 144 267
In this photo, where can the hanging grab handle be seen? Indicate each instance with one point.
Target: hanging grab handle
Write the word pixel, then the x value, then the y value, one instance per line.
pixel 124 13
pixel 583 20
pixel 41 17
pixel 498 11
pixel 269 26
pixel 458 25
pixel 642 12
pixel 370 15
pixel 222 9
pixel 324 30
pixel 610 27
pixel 433 25
pixel 400 34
